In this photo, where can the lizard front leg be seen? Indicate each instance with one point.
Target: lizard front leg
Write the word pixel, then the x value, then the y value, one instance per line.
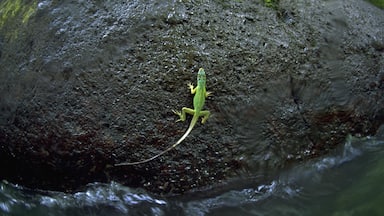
pixel 193 90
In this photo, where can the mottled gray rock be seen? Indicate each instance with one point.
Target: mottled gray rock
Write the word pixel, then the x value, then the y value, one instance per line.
pixel 85 85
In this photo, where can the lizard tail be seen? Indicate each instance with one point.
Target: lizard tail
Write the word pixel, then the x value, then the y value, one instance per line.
pixel 193 122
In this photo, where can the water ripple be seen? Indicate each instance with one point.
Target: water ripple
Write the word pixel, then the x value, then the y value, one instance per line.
pixel 299 190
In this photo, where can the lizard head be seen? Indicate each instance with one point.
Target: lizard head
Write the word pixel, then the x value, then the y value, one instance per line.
pixel 201 78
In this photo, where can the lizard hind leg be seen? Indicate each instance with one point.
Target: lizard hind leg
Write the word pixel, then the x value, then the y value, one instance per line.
pixel 183 112
pixel 205 114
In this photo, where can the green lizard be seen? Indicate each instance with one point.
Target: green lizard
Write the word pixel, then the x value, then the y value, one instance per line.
pixel 198 104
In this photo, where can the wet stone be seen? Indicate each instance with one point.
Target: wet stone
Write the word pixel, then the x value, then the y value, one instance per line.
pixel 86 86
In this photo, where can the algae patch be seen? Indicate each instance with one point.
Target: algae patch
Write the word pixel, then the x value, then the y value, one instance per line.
pixel 14 13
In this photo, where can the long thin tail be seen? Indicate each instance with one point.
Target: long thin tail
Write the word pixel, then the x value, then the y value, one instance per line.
pixel 193 122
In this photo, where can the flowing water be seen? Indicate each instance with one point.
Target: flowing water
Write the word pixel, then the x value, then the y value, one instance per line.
pixel 346 182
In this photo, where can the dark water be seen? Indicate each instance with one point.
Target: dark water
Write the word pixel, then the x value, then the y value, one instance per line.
pixel 346 182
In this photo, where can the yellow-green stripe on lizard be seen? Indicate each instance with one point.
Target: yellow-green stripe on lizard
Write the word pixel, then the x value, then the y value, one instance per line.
pixel 197 112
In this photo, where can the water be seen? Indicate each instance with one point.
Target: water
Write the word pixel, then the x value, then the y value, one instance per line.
pixel 346 182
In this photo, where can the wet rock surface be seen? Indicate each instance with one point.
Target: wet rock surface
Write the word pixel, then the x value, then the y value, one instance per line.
pixel 89 84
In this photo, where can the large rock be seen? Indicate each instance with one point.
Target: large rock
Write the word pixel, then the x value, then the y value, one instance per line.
pixel 85 85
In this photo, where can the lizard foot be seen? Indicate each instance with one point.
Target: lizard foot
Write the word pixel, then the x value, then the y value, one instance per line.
pixel 179 114
pixel 190 86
